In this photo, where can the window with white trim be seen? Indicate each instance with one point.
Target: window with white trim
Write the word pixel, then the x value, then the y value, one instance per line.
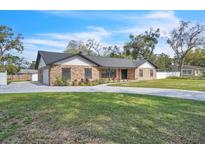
pixel 66 74
pixel 108 73
pixel 141 72
pixel 151 73
pixel 88 73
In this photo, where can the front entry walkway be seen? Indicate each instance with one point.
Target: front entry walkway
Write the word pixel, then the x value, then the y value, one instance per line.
pixel 29 87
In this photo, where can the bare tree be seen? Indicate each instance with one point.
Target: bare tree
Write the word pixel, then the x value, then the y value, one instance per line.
pixel 90 47
pixel 185 38
pixel 98 48
pixel 75 46
pixel 94 46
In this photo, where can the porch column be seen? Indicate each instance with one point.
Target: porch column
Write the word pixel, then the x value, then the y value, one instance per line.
pixel 118 73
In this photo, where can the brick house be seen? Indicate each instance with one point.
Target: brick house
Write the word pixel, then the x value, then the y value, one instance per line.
pixel 52 65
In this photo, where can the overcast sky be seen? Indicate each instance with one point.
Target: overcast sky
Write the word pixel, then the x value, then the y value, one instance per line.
pixel 52 30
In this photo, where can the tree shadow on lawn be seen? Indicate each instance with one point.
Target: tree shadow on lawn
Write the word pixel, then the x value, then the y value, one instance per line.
pixel 100 118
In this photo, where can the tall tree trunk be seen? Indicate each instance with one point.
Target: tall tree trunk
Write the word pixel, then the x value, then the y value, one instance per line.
pixel 181 67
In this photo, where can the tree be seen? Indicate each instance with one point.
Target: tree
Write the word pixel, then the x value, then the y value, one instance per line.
pixel 32 65
pixel 14 64
pixel 184 39
pixel 75 47
pixel 90 47
pixel 11 69
pixel 163 62
pixel 9 42
pixel 142 45
pixel 195 57
pixel 116 52
pixel 97 48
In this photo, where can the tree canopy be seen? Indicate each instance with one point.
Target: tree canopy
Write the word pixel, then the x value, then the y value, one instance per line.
pixel 142 45
pixel 163 62
pixel 90 47
pixel 14 64
pixel 9 41
pixel 185 38
pixel 195 57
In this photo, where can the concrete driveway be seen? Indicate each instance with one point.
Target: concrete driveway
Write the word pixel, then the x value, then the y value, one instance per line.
pixel 29 87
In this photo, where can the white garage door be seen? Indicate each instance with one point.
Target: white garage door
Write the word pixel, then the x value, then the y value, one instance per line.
pixel 34 77
pixel 45 76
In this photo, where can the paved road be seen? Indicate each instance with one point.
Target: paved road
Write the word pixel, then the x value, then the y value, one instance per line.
pixel 28 87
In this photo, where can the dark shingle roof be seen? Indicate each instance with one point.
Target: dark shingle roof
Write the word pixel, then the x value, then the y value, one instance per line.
pixel 52 57
pixel 116 62
pixel 112 62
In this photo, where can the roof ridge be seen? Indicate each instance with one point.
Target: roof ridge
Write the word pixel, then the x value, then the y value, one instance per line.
pixel 91 55
pixel 109 57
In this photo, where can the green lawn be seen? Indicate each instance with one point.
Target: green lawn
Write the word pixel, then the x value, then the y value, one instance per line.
pixel 99 118
pixel 185 84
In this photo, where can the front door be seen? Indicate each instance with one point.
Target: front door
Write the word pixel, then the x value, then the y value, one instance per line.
pixel 124 74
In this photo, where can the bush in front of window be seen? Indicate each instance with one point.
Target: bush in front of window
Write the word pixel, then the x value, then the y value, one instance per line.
pixel 87 82
pixel 60 82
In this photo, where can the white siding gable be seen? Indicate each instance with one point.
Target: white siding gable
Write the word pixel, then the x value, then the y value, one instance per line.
pixel 146 65
pixel 41 63
pixel 76 60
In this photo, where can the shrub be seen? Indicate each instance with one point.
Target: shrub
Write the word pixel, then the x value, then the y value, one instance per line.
pixel 81 84
pixel 75 82
pixel 60 82
pixel 84 82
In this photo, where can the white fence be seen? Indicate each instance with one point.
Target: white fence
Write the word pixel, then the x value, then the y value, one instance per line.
pixel 163 75
pixel 3 78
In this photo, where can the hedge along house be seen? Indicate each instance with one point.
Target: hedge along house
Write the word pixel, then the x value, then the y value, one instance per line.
pixel 52 65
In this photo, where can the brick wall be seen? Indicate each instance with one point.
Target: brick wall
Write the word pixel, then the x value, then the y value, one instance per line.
pixel 146 74
pixel 77 72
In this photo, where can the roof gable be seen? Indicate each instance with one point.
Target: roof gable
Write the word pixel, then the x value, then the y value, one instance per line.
pixel 76 60
pixel 146 65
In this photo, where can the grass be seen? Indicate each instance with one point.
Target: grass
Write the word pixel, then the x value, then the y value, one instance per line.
pixel 99 118
pixel 185 84
pixel 10 81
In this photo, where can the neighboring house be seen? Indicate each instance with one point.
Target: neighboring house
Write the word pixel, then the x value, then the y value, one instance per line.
pixel 189 70
pixel 52 65
pixel 33 74
pixel 192 71
pixel 24 75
